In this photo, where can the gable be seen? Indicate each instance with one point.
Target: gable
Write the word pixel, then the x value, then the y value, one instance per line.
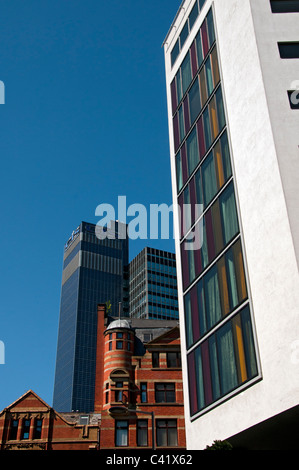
pixel 171 337
pixel 29 401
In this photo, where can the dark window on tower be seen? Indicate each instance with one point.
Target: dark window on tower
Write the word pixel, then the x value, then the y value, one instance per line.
pixel 155 359
pixel 26 429
pixel 167 432
pixel 174 359
pixel 284 6
pixel 38 429
pixel 142 426
pixel 165 392
pixel 121 433
pixel 289 50
pixel 14 429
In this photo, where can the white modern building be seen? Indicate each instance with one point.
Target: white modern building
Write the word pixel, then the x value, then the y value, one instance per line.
pixel 232 76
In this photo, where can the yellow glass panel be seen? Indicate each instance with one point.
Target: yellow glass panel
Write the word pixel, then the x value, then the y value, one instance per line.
pixel 241 281
pixel 214 122
pixel 219 165
pixel 217 229
pixel 215 66
pixel 223 286
pixel 203 87
pixel 241 363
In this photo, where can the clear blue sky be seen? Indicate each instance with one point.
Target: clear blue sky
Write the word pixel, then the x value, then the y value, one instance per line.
pixel 84 121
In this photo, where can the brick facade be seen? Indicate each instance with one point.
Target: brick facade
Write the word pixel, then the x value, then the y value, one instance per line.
pixel 133 384
pixel 30 424
pixel 136 384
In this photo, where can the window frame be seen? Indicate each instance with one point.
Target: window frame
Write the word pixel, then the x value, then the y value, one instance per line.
pixel 118 428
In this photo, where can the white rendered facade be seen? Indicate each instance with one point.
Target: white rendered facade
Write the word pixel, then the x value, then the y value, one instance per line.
pixel 263 134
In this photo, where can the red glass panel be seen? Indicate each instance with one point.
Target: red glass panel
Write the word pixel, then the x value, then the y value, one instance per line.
pixel 206 373
pixel 186 114
pixel 193 59
pixel 194 312
pixel 205 41
pixel 173 96
pixel 176 134
pixel 184 163
pixel 192 384
pixel 185 270
pixel 210 235
pixel 201 139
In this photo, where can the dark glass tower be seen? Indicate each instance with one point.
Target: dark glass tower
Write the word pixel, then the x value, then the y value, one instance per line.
pixel 94 271
pixel 153 285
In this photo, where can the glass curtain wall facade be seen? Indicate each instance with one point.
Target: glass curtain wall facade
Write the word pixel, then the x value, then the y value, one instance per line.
pixel 153 285
pixel 94 271
pixel 221 353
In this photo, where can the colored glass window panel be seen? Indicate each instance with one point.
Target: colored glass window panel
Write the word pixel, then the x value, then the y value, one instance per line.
pixel 181 123
pixel 222 363
pixel 207 128
pixel 211 30
pixel 193 15
pixel 179 87
pixel 220 109
pixel 205 41
pixel 184 34
pixel 215 67
pixel 229 215
pixel 186 73
pixel 194 101
pixel 175 52
pixel 192 151
pixel 173 96
pixel 209 178
pixel 209 76
pixel 199 50
pixel 179 171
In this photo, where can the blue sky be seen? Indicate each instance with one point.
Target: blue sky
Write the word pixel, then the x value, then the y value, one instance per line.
pixel 84 122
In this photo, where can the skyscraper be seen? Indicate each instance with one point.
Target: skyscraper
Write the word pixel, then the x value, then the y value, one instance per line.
pixel 231 70
pixel 94 271
pixel 153 285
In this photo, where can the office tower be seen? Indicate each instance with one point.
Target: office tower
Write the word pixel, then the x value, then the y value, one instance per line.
pixel 94 270
pixel 153 285
pixel 231 70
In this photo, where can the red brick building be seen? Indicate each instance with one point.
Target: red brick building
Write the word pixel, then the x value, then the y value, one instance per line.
pixel 138 396
pixel 30 424
pixel 139 389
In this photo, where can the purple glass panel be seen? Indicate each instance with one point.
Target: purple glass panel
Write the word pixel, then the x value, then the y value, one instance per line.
pixel 206 373
pixel 185 270
pixel 210 235
pixel 184 163
pixel 197 257
pixel 192 200
pixel 194 312
pixel 192 384
pixel 201 139
pixel 173 96
pixel 176 134
pixel 186 114
pixel 205 41
pixel 181 203
pixel 193 59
